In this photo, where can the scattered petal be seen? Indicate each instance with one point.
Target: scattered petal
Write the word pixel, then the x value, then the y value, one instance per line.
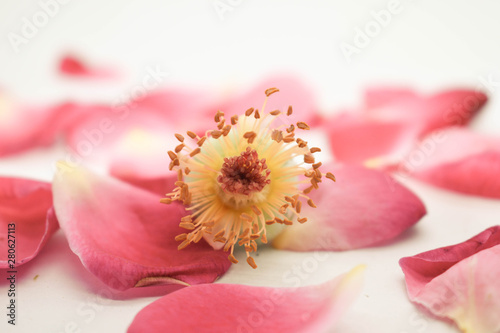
pixel 23 127
pixel 377 96
pixel 355 139
pixel 27 205
pixel 239 308
pixel 362 208
pixel 459 282
pixel 75 67
pixel 124 236
pixel 448 108
pixel 458 160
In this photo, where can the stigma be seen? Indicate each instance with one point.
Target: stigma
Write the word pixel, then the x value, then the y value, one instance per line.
pixel 237 180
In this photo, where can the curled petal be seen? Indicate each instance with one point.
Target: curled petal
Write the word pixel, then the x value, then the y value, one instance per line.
pixel 239 308
pixel 25 208
pixel 458 160
pixel 363 208
pixel 125 237
pixel 459 282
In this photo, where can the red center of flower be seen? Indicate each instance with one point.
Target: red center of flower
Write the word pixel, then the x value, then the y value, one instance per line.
pixel 244 174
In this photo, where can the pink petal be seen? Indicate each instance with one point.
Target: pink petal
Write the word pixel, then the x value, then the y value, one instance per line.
pixel 27 204
pixel 136 136
pixel 75 67
pixel 458 160
pixel 125 237
pixel 292 91
pixel 448 108
pixel 239 308
pixel 376 97
pixel 459 282
pixel 362 208
pixel 355 139
pixel 23 127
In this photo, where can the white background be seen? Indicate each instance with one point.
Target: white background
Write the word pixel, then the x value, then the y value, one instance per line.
pixel 427 45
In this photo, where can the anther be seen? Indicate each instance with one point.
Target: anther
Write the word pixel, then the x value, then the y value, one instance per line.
pixel 271 91
pixel 311 203
pixel 216 134
pixel 289 111
pixel 275 112
pixel 201 141
pixel 179 137
pixel 195 151
pixel 234 120
pixel 303 125
pixel 166 201
pixel 330 175
pixel 181 237
pixel 218 115
pixel 308 158
pixel 251 262
pixel 315 150
pixel 172 155
pixel 249 112
pixel 179 148
pixel 192 135
pixel 316 165
pixel 232 259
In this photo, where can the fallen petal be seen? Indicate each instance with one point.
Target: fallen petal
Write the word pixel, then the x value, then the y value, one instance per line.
pixel 377 96
pixel 358 140
pixel 239 308
pixel 362 208
pixel 459 282
pixel 458 160
pixel 23 127
pixel 444 109
pixel 124 236
pixel 25 208
pixel 73 66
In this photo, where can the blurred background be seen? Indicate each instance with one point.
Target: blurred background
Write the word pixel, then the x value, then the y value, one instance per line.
pixel 337 48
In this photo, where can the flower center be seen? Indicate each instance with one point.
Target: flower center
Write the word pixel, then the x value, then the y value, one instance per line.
pixel 241 178
pixel 244 174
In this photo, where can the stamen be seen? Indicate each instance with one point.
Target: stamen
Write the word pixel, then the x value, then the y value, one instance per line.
pixel 243 158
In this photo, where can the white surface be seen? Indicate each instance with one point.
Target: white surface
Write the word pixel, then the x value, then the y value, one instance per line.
pixel 427 45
